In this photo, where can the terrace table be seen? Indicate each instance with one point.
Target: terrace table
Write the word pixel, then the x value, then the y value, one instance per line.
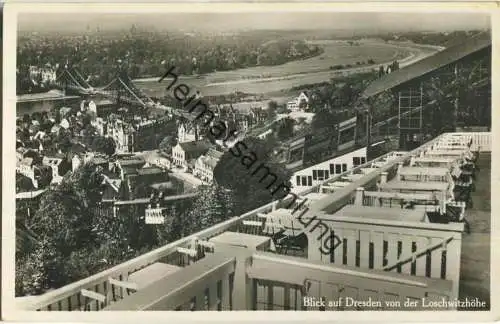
pixel 451 147
pixel 254 242
pixel 431 161
pixel 446 153
pixel 385 213
pixel 415 186
pixel 152 273
pixel 313 196
pixel 424 173
pixel 421 201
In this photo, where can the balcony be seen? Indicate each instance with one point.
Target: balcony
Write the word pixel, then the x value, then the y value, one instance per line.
pixel 268 258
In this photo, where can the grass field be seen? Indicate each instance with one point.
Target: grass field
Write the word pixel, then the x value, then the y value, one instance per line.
pixel 261 79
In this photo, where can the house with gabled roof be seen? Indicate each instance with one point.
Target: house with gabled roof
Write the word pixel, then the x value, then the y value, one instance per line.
pixel 299 103
pixel 53 163
pixel 205 165
pixel 182 153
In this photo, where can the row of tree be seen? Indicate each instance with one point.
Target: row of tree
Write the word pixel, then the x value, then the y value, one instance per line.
pixel 76 236
pixel 146 53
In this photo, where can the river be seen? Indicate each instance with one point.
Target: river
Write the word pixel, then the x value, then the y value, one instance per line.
pixel 268 79
pixel 271 79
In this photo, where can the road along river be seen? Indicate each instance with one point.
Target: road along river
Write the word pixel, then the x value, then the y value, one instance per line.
pixel 267 79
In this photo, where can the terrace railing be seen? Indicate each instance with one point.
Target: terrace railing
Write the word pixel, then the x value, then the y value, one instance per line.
pixel 237 280
pixel 413 248
pixel 70 297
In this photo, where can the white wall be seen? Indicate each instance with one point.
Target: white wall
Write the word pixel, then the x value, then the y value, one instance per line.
pixel 308 172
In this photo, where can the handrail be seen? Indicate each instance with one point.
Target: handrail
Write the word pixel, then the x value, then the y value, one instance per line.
pixel 406 259
pixel 344 194
pixel 398 195
pixel 338 269
pixel 140 261
pixel 338 198
pixel 450 227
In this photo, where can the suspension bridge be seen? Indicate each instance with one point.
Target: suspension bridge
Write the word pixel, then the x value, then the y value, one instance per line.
pixel 120 89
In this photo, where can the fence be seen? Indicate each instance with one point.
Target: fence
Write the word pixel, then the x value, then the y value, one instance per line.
pixel 75 296
pixel 412 248
pixel 232 280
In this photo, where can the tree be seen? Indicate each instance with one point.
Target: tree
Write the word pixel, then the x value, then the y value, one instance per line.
pixel 324 118
pixel 381 71
pixel 251 188
pixel 65 223
pixel 272 107
pixel 214 204
pixel 23 183
pixel 63 140
pixel 167 143
pixel 285 128
pixel 43 175
pixel 104 145
pixel 39 270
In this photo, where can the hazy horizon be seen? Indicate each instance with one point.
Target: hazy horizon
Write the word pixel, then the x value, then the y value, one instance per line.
pixel 217 22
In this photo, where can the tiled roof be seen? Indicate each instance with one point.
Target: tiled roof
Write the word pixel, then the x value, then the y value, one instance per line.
pixel 135 161
pixel 29 194
pixel 195 147
pixel 99 160
pixel 27 161
pixel 51 160
pixel 149 170
pixel 214 153
pixel 162 185
pixel 429 64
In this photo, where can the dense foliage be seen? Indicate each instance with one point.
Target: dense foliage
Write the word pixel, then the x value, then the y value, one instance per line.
pixel 437 38
pixel 75 236
pixel 248 190
pixel 146 53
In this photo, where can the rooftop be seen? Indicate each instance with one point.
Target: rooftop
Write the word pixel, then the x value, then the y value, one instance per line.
pixel 132 161
pixel 29 194
pixel 150 170
pixel 195 147
pixel 375 247
pixel 449 55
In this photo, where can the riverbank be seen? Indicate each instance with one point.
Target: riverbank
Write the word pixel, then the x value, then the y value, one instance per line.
pixel 261 80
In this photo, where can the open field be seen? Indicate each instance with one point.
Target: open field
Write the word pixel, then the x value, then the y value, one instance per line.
pixel 263 79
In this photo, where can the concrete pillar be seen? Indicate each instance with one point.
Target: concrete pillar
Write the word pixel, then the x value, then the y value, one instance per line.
pixel 313 246
pixel 400 165
pixel 359 196
pixel 443 202
pixel 242 293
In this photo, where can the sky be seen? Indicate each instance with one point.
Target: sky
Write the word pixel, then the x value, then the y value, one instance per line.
pixel 279 20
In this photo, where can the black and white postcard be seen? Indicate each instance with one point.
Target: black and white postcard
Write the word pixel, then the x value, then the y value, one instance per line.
pixel 221 157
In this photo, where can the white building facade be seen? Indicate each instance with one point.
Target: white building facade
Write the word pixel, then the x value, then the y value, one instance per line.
pixel 316 174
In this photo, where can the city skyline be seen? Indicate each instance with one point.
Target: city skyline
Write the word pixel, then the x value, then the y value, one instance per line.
pixel 360 21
